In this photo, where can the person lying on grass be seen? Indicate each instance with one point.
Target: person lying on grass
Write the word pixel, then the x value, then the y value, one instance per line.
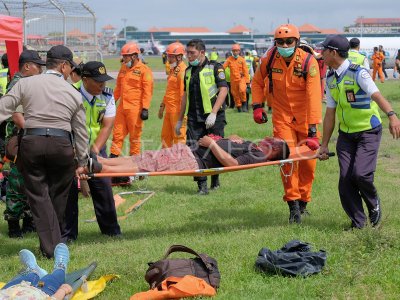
pixel 34 282
pixel 211 152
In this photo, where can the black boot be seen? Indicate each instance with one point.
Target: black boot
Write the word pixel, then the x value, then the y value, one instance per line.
pixel 119 180
pixel 14 231
pixel 295 214
pixel 303 207
pixel 239 109
pixel 28 225
pixel 244 107
pixel 215 182
pixel 203 189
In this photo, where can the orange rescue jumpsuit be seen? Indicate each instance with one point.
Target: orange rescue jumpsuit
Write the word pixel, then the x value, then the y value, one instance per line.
pixel 239 78
pixel 172 102
pixel 296 103
pixel 377 59
pixel 133 91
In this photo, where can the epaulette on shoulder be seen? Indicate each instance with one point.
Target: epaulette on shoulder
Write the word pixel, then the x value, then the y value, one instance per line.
pixel 330 73
pixel 108 91
pixel 354 67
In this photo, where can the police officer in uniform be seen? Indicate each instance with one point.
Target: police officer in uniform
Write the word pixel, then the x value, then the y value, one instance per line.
pixel 355 56
pixel 100 114
pixel 354 98
pixel 203 102
pixel 17 207
pixel 52 110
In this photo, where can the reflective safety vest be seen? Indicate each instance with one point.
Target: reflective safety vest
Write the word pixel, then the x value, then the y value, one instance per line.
pixel 3 80
pixel 95 110
pixel 355 110
pixel 356 58
pixel 249 62
pixel 228 74
pixel 214 55
pixel 208 88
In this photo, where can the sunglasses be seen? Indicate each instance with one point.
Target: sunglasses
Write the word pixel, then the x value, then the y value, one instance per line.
pixel 287 41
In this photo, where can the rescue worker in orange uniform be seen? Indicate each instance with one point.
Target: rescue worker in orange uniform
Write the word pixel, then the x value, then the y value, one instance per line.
pixel 240 78
pixel 290 78
pixel 133 91
pixel 377 59
pixel 173 96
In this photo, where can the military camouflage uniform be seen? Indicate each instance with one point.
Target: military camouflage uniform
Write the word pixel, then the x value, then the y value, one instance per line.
pixel 16 201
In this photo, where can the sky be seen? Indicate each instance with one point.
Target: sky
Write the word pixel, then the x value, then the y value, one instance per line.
pixel 221 15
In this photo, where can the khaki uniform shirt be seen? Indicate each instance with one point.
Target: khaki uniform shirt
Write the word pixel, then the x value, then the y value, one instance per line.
pixel 49 101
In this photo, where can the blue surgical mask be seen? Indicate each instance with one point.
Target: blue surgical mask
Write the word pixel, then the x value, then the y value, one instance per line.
pixel 235 56
pixel 194 63
pixel 129 64
pixel 286 52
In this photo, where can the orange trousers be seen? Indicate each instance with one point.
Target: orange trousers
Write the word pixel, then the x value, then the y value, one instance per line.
pixel 168 136
pixel 127 121
pixel 299 184
pixel 238 90
pixel 380 73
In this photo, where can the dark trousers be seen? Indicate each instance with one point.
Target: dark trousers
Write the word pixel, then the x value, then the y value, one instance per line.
pixel 357 154
pixel 104 207
pixel 47 165
pixel 195 130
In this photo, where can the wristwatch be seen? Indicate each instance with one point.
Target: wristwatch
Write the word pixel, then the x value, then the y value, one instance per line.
pixel 312 131
pixel 391 113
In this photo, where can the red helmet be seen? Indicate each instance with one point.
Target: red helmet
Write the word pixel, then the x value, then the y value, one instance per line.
pixel 175 48
pixel 287 31
pixel 235 47
pixel 130 48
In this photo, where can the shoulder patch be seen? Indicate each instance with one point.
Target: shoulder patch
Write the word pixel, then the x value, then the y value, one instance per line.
pixel 365 74
pixel 221 75
pixel 313 71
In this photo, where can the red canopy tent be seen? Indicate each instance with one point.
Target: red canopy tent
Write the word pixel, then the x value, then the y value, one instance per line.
pixel 11 31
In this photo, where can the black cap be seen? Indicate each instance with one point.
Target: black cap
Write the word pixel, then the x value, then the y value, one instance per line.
pixel 31 56
pixel 61 52
pixel 95 70
pixel 354 42
pixel 335 42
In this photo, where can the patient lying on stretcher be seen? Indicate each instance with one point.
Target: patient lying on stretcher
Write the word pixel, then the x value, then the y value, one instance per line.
pixel 211 152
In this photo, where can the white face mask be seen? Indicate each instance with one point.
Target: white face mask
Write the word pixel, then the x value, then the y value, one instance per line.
pixel 129 64
pixel 173 65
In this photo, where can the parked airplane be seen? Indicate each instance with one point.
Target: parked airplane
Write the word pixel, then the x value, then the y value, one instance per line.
pixel 390 45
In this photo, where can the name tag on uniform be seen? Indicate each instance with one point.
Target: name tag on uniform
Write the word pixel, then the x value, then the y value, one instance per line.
pixel 136 72
pixel 350 96
pixel 276 70
pixel 101 104
pixel 348 82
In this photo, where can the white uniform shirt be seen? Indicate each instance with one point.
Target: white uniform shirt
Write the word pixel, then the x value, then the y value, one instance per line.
pixel 110 108
pixel 364 80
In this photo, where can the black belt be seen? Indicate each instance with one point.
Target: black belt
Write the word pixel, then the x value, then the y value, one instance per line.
pixel 47 132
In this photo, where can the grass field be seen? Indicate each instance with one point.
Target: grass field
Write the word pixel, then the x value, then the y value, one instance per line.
pixel 233 223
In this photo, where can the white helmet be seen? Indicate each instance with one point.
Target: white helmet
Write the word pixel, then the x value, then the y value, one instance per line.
pixel 254 52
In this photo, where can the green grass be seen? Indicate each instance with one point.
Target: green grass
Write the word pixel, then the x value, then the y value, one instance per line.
pixel 233 223
pixel 154 62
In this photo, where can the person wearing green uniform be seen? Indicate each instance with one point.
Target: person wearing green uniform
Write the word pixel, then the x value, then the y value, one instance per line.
pixel 17 207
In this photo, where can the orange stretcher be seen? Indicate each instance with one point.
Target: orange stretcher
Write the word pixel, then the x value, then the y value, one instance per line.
pixel 296 154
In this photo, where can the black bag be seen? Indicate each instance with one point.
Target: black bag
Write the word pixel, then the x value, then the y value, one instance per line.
pixel 293 259
pixel 202 266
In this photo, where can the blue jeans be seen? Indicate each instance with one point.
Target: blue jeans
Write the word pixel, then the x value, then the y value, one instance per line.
pixel 49 284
